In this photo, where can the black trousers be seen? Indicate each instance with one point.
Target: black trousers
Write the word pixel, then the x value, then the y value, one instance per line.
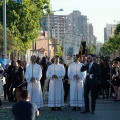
pixel 6 91
pixel 89 86
pixel 66 90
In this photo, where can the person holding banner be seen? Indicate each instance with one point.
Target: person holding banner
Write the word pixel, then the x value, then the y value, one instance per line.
pixel 33 75
pixel 55 73
pixel 76 78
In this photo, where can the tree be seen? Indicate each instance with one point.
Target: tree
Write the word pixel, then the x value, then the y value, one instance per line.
pixel 59 51
pixel 11 43
pixel 117 39
pixel 117 30
pixel 91 49
pixel 111 45
pixel 23 20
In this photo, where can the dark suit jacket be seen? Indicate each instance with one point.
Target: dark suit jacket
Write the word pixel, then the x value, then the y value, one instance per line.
pixel 94 70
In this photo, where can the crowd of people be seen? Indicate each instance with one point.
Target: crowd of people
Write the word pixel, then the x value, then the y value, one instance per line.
pixel 67 82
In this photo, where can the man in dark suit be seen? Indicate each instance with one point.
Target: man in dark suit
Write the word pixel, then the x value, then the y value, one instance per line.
pixel 93 72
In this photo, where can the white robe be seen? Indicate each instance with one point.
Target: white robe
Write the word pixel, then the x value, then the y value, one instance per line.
pixel 35 87
pixel 76 86
pixel 56 91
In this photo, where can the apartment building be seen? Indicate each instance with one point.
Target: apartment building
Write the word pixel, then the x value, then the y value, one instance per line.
pixel 108 31
pixel 78 23
pixel 90 33
pixel 57 26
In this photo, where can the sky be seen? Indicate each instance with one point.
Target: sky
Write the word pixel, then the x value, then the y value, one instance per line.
pixel 99 12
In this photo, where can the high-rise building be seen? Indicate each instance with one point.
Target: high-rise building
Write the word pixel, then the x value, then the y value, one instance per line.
pixel 78 23
pixel 108 31
pixel 74 22
pixel 90 33
pixel 94 40
pixel 57 24
pixel 98 46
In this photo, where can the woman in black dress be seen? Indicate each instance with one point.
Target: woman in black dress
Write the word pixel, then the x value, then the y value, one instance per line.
pixel 44 69
pixel 103 80
pixel 115 78
pixel 17 79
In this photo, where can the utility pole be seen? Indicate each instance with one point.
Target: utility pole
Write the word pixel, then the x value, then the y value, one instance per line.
pixel 48 34
pixel 4 28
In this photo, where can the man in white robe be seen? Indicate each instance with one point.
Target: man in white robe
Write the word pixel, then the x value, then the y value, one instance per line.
pixel 76 78
pixel 33 75
pixel 55 73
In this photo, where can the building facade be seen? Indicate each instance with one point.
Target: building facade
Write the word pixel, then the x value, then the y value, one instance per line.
pixel 90 34
pixel 78 23
pixel 57 26
pixel 98 46
pixel 108 31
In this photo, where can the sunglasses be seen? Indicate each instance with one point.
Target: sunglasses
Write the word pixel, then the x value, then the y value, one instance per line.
pixel 75 56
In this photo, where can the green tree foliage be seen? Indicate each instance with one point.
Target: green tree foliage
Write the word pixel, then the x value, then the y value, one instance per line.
pixel 111 45
pixel 117 37
pixel 0 2
pixel 91 49
pixel 23 20
pixel 11 43
pixel 117 30
pixel 59 51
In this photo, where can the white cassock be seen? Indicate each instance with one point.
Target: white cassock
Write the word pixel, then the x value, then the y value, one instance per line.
pixel 35 87
pixel 56 91
pixel 76 86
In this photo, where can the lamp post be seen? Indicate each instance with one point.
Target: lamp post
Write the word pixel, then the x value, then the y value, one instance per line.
pixel 48 35
pixel 4 30
pixel 49 29
pixel 4 27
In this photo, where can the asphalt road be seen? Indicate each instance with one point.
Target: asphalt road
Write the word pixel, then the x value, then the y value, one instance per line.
pixel 105 110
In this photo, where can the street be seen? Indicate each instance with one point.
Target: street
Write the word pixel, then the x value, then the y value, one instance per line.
pixel 105 110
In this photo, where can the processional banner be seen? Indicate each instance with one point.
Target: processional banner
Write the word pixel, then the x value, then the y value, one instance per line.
pixel 71 46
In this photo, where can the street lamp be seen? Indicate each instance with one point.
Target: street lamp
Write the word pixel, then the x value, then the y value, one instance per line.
pixel 4 26
pixel 49 29
pixel 4 30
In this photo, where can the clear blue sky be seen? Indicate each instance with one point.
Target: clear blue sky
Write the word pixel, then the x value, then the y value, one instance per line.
pixel 99 12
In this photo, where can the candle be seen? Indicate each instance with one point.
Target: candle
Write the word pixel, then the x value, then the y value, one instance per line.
pixel 76 68
pixel 54 69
